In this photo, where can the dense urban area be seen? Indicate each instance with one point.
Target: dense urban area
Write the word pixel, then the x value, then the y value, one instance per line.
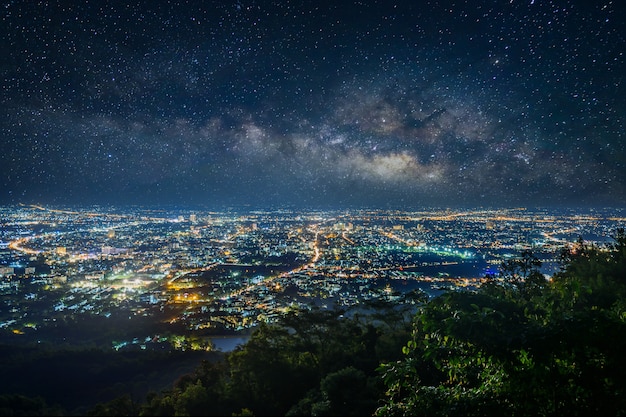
pixel 163 278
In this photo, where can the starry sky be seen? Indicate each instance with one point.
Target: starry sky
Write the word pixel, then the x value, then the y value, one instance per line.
pixel 390 104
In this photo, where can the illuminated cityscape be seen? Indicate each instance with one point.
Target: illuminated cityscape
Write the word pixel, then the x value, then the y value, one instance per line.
pixel 180 278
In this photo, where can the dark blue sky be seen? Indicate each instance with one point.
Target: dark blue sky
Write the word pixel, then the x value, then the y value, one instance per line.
pixel 315 104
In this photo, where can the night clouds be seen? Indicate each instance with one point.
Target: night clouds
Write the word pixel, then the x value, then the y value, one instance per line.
pixel 392 104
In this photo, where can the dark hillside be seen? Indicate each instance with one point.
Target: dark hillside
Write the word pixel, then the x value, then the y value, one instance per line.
pixel 77 379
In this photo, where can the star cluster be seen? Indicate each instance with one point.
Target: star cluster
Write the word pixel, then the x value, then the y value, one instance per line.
pixel 351 103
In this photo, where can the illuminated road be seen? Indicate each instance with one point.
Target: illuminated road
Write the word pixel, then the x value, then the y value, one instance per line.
pixel 17 245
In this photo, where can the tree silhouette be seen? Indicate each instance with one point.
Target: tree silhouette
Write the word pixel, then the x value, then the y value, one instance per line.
pixel 514 348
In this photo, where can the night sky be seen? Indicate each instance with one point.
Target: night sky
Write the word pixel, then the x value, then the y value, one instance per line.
pixel 390 104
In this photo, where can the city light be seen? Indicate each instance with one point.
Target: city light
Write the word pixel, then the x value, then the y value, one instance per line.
pixel 223 272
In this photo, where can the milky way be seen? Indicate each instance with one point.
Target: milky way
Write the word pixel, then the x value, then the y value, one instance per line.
pixel 317 104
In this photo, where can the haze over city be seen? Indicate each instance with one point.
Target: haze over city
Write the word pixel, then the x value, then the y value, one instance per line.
pixel 313 104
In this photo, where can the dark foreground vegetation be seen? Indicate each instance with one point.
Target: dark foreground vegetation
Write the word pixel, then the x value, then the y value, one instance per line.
pixel 519 345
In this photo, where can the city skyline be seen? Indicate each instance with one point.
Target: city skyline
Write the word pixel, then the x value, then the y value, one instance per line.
pixel 194 272
pixel 314 104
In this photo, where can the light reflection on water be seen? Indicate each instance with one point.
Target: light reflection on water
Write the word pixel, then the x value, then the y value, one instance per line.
pixel 228 343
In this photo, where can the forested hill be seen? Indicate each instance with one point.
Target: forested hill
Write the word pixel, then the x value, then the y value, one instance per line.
pixel 518 345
